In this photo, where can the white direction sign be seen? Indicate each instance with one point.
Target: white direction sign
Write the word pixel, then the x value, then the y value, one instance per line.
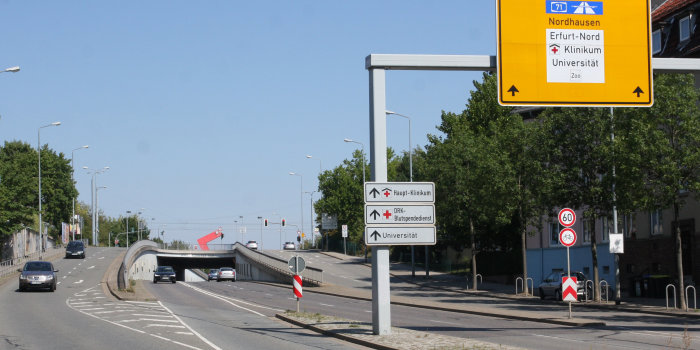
pixel 408 214
pixel 400 235
pixel 399 192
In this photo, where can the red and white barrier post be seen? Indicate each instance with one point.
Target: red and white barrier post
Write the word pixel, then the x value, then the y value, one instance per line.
pixel 297 289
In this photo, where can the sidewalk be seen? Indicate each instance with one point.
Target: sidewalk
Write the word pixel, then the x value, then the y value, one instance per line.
pixel 458 285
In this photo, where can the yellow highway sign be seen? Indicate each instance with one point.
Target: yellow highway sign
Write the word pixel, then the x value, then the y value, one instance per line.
pixel 574 53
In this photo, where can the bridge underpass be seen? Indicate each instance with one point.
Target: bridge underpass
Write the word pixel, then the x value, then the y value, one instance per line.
pixel 143 257
pixel 180 264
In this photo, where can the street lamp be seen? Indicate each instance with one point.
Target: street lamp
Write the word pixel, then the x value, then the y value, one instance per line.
pixel 97 213
pixel 72 164
pixel 363 157
pixel 410 145
pixel 319 163
pixel 14 69
pixel 261 236
pixel 93 199
pixel 127 228
pixel 38 133
pixel 410 171
pixel 311 213
pixel 301 197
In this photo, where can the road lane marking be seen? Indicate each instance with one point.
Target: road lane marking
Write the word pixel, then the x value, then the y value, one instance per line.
pixel 226 299
pixel 450 323
pixel 91 267
pixel 78 282
pixel 326 305
pixel 190 328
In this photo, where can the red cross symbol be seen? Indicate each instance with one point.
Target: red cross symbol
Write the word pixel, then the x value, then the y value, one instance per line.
pixel 387 193
pixel 387 214
pixel 555 50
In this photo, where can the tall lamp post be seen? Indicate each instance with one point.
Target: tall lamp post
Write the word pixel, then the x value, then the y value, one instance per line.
pixel 93 194
pixel 97 214
pixel 410 145
pixel 311 214
pixel 72 165
pixel 14 69
pixel 127 228
pixel 261 236
pixel 38 133
pixel 410 171
pixel 363 157
pixel 301 197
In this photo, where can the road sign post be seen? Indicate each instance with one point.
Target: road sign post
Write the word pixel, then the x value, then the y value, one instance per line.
pixel 567 238
pixel 574 53
pixel 297 265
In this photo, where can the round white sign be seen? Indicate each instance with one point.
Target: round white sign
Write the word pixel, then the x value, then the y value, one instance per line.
pixel 567 217
pixel 567 237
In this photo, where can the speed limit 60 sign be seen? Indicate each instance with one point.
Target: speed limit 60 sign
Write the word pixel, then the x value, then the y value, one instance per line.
pixel 567 217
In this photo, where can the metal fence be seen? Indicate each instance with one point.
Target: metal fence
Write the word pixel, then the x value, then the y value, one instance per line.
pixel 8 267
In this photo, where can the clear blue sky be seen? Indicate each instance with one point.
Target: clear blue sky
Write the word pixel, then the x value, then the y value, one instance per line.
pixel 202 108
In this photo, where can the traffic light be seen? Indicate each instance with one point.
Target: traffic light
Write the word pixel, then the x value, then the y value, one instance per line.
pixel 298 238
pixel 265 222
pixel 222 236
pixel 284 222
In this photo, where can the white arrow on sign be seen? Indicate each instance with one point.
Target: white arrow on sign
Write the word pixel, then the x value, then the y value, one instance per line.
pixel 568 289
pixel 400 192
pixel 403 214
pixel 400 235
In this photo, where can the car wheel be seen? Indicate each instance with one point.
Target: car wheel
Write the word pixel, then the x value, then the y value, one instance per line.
pixel 21 288
pixel 53 288
pixel 541 294
pixel 174 281
pixel 154 281
pixel 557 295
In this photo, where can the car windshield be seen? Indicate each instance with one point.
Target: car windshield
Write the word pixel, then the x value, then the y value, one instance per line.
pixel 226 269
pixel 75 245
pixel 38 266
pixel 165 269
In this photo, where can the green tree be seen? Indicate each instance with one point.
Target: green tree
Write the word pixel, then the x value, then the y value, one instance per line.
pixel 580 147
pixel 662 149
pixel 18 187
pixel 57 189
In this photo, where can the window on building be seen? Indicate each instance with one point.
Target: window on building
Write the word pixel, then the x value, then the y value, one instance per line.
pixel 588 227
pixel 554 229
pixel 656 42
pixel 607 228
pixel 656 223
pixel 684 25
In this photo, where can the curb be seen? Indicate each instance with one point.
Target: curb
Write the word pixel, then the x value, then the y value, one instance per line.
pixel 334 334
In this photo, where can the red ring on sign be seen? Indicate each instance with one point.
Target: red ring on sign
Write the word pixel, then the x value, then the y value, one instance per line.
pixel 564 211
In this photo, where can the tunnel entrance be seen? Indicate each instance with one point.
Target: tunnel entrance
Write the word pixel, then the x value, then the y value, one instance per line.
pixel 180 264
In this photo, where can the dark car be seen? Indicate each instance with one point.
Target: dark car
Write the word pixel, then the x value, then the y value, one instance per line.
pixel 39 275
pixel 213 274
pixel 164 273
pixel 551 285
pixel 75 249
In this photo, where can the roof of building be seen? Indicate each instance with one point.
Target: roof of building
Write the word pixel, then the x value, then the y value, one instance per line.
pixel 669 7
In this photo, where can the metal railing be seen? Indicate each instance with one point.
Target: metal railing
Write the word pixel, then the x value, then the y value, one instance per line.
pixel 695 301
pixel 478 278
pixel 585 289
pixel 522 285
pixel 604 286
pixel 311 275
pixel 674 295
pixel 10 266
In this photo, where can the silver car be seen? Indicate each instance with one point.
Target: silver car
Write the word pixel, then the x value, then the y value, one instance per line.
pixel 226 273
pixel 551 285
pixel 39 275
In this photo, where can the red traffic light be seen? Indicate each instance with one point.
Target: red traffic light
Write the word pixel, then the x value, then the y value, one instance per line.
pixel 265 222
pixel 284 222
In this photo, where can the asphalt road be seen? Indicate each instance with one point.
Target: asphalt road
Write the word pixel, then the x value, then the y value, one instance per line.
pixel 80 316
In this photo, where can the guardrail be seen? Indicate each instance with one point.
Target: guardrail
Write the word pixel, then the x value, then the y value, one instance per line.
pixel 604 286
pixel 585 289
pixel 310 275
pixel 10 266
